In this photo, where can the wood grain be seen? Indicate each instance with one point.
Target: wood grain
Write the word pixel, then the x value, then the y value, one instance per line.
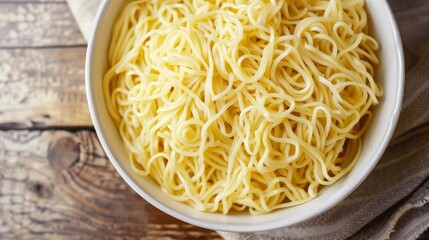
pixel 43 87
pixel 59 185
pixel 26 24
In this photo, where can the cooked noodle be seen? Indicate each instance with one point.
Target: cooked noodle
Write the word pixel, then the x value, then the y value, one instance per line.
pixel 242 105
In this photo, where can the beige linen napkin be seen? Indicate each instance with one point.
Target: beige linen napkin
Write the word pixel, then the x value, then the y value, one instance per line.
pixel 393 202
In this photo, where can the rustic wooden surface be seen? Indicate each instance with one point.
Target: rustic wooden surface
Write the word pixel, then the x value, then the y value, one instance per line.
pixel 59 185
pixel 55 180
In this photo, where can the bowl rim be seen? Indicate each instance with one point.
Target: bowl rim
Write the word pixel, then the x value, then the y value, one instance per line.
pixel 333 200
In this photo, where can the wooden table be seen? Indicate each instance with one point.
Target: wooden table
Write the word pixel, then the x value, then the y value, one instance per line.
pixel 55 180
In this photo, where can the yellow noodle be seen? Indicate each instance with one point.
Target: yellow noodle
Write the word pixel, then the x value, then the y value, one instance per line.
pixel 242 105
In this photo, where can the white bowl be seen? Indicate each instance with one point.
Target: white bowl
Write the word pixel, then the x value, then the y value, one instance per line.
pixel 390 74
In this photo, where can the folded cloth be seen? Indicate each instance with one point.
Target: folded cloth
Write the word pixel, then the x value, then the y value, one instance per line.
pixel 392 202
pixel 84 13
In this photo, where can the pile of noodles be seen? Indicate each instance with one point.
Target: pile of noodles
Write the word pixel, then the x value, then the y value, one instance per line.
pixel 242 105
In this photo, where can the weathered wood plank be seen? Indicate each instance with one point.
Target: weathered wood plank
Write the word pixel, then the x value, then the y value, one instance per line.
pixel 43 87
pixel 60 185
pixel 24 24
